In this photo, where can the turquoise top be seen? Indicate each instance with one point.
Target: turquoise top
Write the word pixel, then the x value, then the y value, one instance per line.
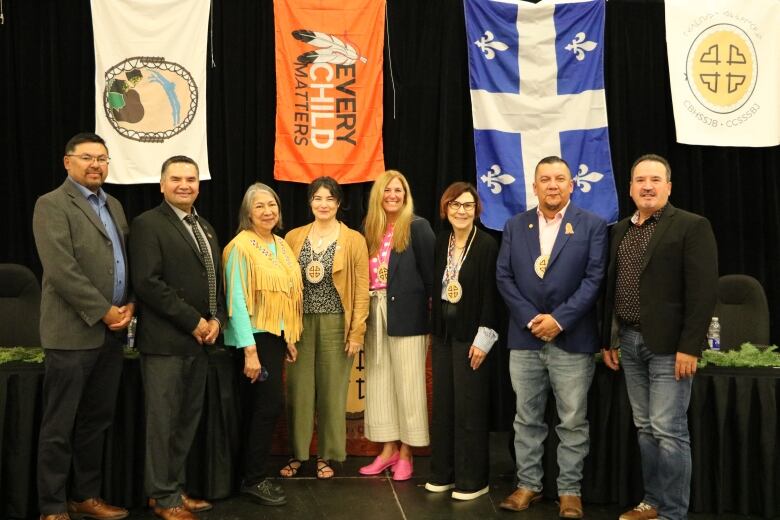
pixel 239 331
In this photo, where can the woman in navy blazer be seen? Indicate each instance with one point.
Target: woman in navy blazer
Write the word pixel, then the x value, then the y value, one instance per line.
pixel 400 248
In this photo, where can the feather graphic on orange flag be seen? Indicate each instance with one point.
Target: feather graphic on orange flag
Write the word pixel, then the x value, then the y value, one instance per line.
pixel 333 50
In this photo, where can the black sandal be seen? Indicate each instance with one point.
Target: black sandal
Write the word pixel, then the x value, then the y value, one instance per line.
pixel 291 468
pixel 322 467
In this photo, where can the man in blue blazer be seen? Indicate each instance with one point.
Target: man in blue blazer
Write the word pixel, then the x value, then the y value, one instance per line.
pixel 550 269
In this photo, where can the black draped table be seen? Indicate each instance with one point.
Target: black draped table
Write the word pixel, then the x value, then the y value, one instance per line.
pixel 211 469
pixel 733 423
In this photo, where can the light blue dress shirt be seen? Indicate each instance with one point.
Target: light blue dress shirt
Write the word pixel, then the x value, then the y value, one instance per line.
pixel 97 202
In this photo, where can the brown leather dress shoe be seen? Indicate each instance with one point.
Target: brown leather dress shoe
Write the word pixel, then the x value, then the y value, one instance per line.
pixel 193 505
pixel 571 506
pixel 174 513
pixel 55 516
pixel 520 500
pixel 643 511
pixel 97 509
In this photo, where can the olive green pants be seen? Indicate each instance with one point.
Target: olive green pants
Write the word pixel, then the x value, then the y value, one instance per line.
pixel 320 377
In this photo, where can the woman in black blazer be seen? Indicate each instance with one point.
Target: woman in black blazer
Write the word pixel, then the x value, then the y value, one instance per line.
pixel 464 331
pixel 400 249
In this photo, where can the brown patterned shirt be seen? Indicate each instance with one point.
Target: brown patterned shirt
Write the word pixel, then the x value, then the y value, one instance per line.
pixel 630 255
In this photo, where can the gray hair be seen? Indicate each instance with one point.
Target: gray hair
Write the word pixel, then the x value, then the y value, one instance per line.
pixel 244 222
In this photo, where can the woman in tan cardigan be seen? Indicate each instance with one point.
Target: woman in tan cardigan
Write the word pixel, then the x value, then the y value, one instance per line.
pixel 334 264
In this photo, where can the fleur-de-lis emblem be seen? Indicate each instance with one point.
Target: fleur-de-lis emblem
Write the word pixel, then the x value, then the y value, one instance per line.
pixel 578 46
pixel 487 43
pixel 585 178
pixel 495 179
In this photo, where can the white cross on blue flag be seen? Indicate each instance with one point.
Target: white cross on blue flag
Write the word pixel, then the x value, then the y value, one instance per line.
pixel 537 89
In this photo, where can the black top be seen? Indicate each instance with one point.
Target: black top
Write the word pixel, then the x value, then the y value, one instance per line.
pixel 409 283
pixel 480 302
pixel 321 297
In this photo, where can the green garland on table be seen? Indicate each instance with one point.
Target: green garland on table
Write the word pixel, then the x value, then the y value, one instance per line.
pixel 25 354
pixel 36 355
pixel 748 355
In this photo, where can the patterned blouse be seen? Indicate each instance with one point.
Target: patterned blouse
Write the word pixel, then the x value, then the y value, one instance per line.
pixel 322 297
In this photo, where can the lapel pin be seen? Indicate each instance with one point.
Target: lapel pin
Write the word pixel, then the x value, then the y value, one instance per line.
pixel 569 228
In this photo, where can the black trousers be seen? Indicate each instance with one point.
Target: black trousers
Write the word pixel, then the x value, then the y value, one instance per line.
pixel 459 429
pixel 79 398
pixel 263 404
pixel 174 387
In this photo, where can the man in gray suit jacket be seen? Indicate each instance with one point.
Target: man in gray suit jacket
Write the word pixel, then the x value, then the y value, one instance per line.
pixel 176 275
pixel 80 233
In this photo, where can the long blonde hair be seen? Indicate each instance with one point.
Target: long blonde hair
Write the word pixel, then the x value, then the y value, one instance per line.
pixel 376 219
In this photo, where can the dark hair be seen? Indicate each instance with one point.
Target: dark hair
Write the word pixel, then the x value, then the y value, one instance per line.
pixel 656 158
pixel 552 159
pixel 330 184
pixel 455 190
pixel 83 137
pixel 178 159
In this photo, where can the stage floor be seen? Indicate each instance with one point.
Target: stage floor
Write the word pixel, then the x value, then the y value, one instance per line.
pixel 350 496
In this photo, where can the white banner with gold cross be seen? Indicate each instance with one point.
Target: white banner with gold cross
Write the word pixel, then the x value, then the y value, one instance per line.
pixel 724 71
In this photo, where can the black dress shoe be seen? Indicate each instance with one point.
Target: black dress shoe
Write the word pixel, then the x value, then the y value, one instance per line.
pixel 265 492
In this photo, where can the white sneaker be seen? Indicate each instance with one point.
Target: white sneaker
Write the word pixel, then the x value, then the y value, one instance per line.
pixel 469 495
pixel 438 488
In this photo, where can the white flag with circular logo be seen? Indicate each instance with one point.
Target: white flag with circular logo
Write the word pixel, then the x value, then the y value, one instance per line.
pixel 150 84
pixel 724 71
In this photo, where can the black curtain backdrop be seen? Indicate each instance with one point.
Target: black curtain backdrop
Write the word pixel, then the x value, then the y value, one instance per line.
pixel 47 95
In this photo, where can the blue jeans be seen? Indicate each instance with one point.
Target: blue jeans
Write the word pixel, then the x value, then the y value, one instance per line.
pixel 533 373
pixel 660 406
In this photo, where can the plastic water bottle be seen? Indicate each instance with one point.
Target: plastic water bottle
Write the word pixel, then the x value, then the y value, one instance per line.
pixel 131 332
pixel 713 334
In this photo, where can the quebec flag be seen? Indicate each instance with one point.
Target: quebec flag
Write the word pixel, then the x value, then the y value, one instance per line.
pixel 537 89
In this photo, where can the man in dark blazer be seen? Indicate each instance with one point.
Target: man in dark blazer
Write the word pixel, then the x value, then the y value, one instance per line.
pixel 550 269
pixel 80 234
pixel 661 290
pixel 176 273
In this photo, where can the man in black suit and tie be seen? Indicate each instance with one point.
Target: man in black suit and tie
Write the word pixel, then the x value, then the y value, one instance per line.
pixel 176 266
pixel 661 288
pixel 80 234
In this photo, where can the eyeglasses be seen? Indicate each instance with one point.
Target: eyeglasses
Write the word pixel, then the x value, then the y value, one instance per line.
pixel 467 206
pixel 87 158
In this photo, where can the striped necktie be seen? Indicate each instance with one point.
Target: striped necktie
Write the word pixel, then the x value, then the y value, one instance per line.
pixel 207 261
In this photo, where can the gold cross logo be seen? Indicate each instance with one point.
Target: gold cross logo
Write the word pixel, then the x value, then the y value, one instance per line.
pixel 722 68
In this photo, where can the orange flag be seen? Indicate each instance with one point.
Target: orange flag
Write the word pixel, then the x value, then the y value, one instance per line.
pixel 329 90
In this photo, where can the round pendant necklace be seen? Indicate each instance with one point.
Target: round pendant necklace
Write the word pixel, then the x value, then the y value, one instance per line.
pixel 454 290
